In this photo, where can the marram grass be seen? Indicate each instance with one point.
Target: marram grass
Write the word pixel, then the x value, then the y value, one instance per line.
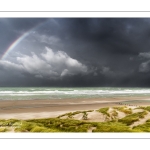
pixel 130 119
pixel 84 125
pixel 104 111
pixel 124 109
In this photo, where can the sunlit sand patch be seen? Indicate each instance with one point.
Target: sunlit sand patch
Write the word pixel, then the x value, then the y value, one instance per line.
pixel 78 116
pixel 96 116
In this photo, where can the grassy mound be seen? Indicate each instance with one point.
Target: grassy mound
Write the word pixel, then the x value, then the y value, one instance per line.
pixel 104 111
pixel 130 119
pixel 71 114
pixel 124 109
pixel 67 125
pixel 71 125
pixel 143 127
pixel 112 127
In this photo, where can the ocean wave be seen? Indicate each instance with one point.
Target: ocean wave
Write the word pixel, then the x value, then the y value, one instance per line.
pixel 76 92
pixel 60 93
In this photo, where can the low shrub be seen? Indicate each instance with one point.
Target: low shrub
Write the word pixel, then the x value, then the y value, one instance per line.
pixel 85 116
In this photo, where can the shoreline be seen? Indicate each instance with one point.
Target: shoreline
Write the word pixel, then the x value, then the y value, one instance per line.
pixel 34 109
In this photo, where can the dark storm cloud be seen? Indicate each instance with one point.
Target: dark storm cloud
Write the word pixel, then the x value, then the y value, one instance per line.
pixel 13 28
pixel 107 40
pixel 80 52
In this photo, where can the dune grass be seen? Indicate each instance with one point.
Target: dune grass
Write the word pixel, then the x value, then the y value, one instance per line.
pixel 104 111
pixel 71 114
pixel 3 129
pixel 9 122
pixel 71 125
pixel 114 113
pixel 146 108
pixel 124 109
pixel 66 125
pixel 43 129
pixel 130 119
pixel 143 127
pixel 112 127
pixel 27 126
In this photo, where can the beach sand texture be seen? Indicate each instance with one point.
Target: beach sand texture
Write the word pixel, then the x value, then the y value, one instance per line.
pixel 32 109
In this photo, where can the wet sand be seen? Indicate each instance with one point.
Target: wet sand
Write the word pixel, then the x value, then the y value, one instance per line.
pixel 29 109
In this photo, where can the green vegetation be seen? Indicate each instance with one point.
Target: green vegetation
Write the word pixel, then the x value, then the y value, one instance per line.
pixel 63 125
pixel 104 111
pixel 85 116
pixel 8 123
pixel 143 127
pixel 66 125
pixel 114 113
pixel 3 129
pixel 146 108
pixel 128 120
pixel 124 109
pixel 112 127
pixel 27 126
pixel 71 114
pixel 71 125
pixel 43 129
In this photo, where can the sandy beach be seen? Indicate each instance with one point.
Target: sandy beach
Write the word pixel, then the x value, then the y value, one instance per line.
pixel 29 109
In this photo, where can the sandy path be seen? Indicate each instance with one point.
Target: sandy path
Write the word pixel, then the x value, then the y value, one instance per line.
pixel 141 121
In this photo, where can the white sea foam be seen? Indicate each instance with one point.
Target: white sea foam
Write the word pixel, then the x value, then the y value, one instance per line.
pixel 69 92
pixel 76 92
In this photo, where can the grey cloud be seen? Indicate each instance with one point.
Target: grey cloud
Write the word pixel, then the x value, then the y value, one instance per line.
pixel 36 66
pixel 63 63
pixel 7 65
pixel 38 76
pixel 54 65
pixel 107 71
pixel 145 55
pixel 144 67
pixel 48 39
pixel 95 51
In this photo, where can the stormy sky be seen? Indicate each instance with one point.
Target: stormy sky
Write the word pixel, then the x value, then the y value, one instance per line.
pixel 75 52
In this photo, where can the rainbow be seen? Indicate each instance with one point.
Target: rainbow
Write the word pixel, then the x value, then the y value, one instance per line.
pixel 18 40
pixel 14 44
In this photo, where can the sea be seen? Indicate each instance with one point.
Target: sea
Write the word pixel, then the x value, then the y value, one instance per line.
pixel 48 93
